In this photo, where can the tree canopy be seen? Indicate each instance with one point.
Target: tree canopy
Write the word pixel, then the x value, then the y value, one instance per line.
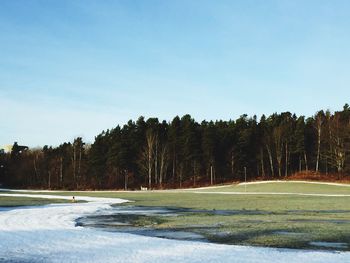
pixel 183 152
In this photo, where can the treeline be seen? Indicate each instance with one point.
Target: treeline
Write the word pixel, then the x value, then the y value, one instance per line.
pixel 184 153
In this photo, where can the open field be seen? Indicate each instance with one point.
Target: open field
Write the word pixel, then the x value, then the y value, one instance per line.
pixel 49 234
pixel 288 220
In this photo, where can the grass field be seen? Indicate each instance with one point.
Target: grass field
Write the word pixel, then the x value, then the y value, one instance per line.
pixel 11 201
pixel 287 220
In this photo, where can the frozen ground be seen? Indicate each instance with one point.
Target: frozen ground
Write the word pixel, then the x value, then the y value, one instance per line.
pixel 295 181
pixel 48 234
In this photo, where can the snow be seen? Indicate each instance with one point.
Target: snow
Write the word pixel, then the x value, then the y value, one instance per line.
pixel 295 181
pixel 271 193
pixel 266 182
pixel 48 234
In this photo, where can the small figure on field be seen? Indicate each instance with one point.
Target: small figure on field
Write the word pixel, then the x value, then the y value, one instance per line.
pixel 73 199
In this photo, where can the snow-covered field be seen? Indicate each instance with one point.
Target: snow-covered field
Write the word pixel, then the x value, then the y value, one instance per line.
pixel 48 234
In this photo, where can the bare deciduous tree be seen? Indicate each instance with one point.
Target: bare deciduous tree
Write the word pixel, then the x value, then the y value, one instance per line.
pixel 163 163
pixel 339 135
pixel 277 136
pixel 147 155
pixel 319 119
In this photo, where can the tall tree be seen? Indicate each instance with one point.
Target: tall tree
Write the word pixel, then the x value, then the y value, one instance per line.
pixel 319 119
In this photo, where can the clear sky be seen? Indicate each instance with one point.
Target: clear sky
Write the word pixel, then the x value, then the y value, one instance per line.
pixel 75 68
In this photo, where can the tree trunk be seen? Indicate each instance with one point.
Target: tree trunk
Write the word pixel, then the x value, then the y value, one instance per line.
pixel 262 162
pixel 61 171
pixel 163 163
pixel 271 161
pixel 279 150
pixel 232 164
pixel 174 167
pixel 286 170
pixel 74 164
pixel 126 179
pixel 279 167
pixel 156 162
pixel 149 171
pixel 49 185
pixel 305 159
pixel 194 173
pixel 116 176
pixel 214 174
pixel 36 170
pixel 161 172
pixel 79 164
pixel 180 175
pixel 319 123
pixel 150 144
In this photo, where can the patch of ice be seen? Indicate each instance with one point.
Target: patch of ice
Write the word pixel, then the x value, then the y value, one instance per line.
pixel 329 244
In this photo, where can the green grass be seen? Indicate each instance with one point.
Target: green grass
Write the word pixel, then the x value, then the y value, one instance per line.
pixel 9 201
pixel 264 220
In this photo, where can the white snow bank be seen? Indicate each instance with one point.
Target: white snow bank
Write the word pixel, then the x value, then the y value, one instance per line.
pixel 295 181
pixel 48 234
pixel 52 217
pixel 270 193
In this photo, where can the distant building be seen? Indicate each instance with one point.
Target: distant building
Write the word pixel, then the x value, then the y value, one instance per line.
pixel 8 148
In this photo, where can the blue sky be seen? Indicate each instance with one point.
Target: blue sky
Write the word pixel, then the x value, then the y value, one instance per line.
pixel 75 68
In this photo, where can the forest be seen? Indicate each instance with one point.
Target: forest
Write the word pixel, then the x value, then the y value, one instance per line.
pixel 156 154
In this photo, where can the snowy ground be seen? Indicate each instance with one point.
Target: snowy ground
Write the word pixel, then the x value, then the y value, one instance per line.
pixel 270 193
pixel 295 181
pixel 48 234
